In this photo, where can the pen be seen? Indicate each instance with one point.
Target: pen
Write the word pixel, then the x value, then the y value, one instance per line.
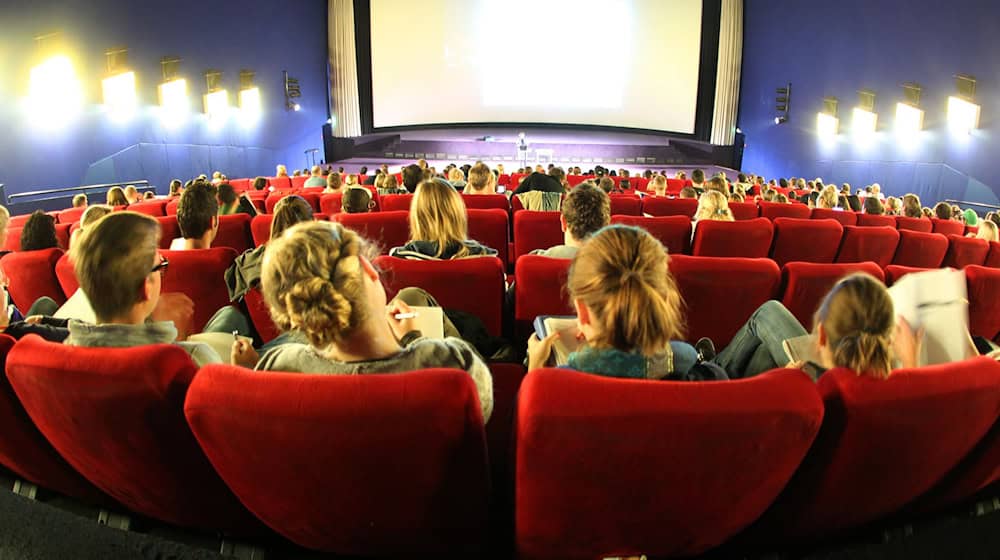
pixel 401 316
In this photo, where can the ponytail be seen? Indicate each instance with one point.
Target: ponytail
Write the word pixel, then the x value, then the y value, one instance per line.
pixel 859 321
pixel 864 352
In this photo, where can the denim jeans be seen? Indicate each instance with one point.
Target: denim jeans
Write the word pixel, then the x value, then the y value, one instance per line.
pixel 757 347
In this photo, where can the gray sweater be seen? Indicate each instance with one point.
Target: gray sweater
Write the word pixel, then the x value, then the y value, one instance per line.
pixel 421 353
pixel 127 336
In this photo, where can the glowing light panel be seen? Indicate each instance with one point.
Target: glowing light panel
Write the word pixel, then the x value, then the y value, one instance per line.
pixel 250 106
pixel 827 125
pixel 174 102
pixel 863 122
pixel 909 119
pixel 54 93
pixel 119 95
pixel 963 116
pixel 217 105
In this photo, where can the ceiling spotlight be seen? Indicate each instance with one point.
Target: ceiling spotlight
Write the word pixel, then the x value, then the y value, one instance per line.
pixel 827 122
pixel 780 119
pixel 292 92
pixel 963 113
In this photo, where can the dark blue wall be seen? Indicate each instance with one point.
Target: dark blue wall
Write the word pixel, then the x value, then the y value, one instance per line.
pixel 836 49
pixel 266 36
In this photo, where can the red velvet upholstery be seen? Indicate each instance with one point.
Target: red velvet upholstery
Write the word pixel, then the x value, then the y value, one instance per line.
pixel 154 208
pixel 720 294
pixel 280 183
pixel 71 215
pixel 919 249
pixel 352 471
pixel 806 240
pixel 300 181
pixel 486 201
pixel 536 230
pixel 331 203
pixel 744 210
pixel 983 285
pixel 172 206
pixel 747 238
pixel 66 276
pixel 385 229
pixel 260 315
pixel 312 197
pixel 32 274
pixel 18 221
pixel 673 231
pixel 271 201
pixel 625 205
pixel 260 228
pixel 965 251
pixel 876 220
pixel 116 415
pixel 894 272
pixel 169 230
pixel 200 274
pixel 490 227
pixel 774 210
pixel 482 284
pixel 240 185
pixel 397 202
pixel 977 471
pixel 867 243
pixel 62 235
pixel 234 232
pixel 806 284
pixel 993 258
pixel 948 227
pixel 867 461
pixel 13 242
pixel 661 206
pixel 26 452
pixel 914 224
pixel 974 230
pixel 540 288
pixel 615 467
pixel 844 217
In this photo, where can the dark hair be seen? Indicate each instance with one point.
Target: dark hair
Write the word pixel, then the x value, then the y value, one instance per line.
pixel 196 210
pixel 943 211
pixel 260 183
pixel 557 173
pixel 741 177
pixel 783 183
pixel 175 187
pixel 873 206
pixel 698 176
pixel 356 201
pixel 363 170
pixel 412 175
pixel 289 211
pixel 586 209
pixel 39 232
pixel 227 195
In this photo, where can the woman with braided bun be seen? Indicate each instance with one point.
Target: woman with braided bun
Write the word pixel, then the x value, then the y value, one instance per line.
pixel 318 279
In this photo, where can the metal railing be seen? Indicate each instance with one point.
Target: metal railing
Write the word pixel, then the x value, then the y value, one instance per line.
pixel 980 204
pixel 141 184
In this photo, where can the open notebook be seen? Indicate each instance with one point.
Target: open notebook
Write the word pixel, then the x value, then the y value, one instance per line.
pixel 567 342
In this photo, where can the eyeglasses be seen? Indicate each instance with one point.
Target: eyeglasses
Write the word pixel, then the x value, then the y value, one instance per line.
pixel 162 267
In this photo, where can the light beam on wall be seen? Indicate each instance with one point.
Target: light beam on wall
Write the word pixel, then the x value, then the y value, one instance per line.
pixel 216 98
pixel 963 111
pixel 250 105
pixel 909 115
pixel 120 98
pixel 827 123
pixel 864 119
pixel 55 95
pixel 175 106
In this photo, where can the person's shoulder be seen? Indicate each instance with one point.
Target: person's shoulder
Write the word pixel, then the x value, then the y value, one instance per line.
pixel 557 252
pixel 293 357
pixel 443 352
pixel 478 249
pixel 415 250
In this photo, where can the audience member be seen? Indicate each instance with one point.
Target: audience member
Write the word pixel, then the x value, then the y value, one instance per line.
pixel 259 183
pixel 828 198
pixel 230 203
pixel 39 232
pixel 413 175
pixel 658 184
pixel 987 230
pixel 132 195
pixel 558 174
pixel 175 188
pixel 197 218
pixel 89 216
pixel 585 210
pixel 389 186
pixel 116 197
pixel 357 201
pixel 713 206
pixel 457 178
pixel 333 183
pixel 942 211
pixel 893 206
pixel 873 206
pixel 80 201
pixel 971 218
pixel 688 192
pixel 315 178
pixel 698 179
pixel 439 226
pixel 911 206
pixel 481 180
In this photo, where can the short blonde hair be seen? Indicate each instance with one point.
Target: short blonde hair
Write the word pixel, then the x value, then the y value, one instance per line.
pixel 94 213
pixel 4 217
pixel 828 197
pixel 456 174
pixel 79 201
pixel 437 213
pixel 713 205
pixel 988 231
pixel 479 176
pixel 659 184
pixel 280 170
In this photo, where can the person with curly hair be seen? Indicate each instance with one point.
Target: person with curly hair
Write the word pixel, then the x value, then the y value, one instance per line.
pixel 586 209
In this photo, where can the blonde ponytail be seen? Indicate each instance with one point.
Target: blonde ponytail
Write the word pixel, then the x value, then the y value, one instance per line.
pixel 859 320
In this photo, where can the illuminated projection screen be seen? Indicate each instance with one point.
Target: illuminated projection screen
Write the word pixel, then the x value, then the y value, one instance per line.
pixel 617 63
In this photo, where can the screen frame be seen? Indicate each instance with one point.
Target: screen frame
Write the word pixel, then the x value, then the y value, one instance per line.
pixel 708 64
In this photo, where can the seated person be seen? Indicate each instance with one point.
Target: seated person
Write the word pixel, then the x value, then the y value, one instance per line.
pixel 893 206
pixel 457 178
pixel 585 210
pixel 318 279
pixel 987 230
pixel 357 201
pixel 197 218
pixel 315 179
pixel 39 232
pixel 80 201
pixel 390 186
pixel 116 197
pixel 942 211
pixel 714 206
pixel 175 188
pixel 333 184
pixel 132 194
pixel 874 206
pixel 689 192
pixel 828 198
pixel 89 217
pixel 259 183
pixel 540 182
pixel 439 226
pixel 413 174
pixel 480 180
pixel 658 184
pixel 230 203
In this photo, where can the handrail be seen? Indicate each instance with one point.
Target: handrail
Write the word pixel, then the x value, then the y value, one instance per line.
pixel 965 203
pixel 137 183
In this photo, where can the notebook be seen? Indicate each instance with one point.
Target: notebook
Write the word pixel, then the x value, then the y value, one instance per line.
pixel 567 342
pixel 429 321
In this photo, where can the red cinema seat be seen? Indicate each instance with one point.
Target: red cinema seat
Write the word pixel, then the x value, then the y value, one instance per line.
pixel 240 185
pixel 25 451
pixel 973 230
pixel 271 201
pixel 748 238
pixel 845 218
pixel 978 470
pixel 673 231
pixel 280 183
pixel 234 232
pixel 331 203
pixel 299 182
pixel 580 493
pixel 200 274
pixel 660 206
pixel 260 315
pixel 918 249
pixel 507 378
pixel 13 242
pixel 384 229
pixel 774 210
pixel 894 272
pixel 172 206
pixel 922 225
pixel 625 205
pixel 433 471
pixel 482 278
pixel 799 240
pixel 490 227
pixel 965 251
pixel 260 228
pixel 62 235
pixel 993 258
pixel 983 285
pixel 312 198
pixel 486 202
pixel 169 230
pixel 31 275
pixel 744 210
pixel 806 284
pixel 66 276
pixel 397 202
pixel 71 215
pixel 154 208
pixel 866 462
pixel 116 415
pixel 536 230
pixel 540 288
pixel 861 243
pixel 948 227
pixel 876 220
pixel 18 221
pixel 720 294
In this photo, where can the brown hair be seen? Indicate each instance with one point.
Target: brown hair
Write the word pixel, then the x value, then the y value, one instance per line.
pixel 312 281
pixel 196 209
pixel 713 205
pixel 259 183
pixel 113 259
pixel 288 212
pixel 943 211
pixel 828 197
pixel 859 320
pixel 116 197
pixel 689 192
pixel 658 184
pixel 437 213
pixel 479 176
pixel 94 213
pixel 586 209
pixel 873 206
pixel 621 275
pixel 911 206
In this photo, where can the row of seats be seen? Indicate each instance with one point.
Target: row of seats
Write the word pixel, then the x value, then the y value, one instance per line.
pixel 401 465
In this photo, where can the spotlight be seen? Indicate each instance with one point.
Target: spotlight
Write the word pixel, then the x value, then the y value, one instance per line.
pixel 909 119
pixel 520 135
pixel 865 120
pixel 119 87
pixel 173 93
pixel 827 122
pixel 780 119
pixel 217 98
pixel 783 103
pixel 296 107
pixel 250 106
pixel 54 93
pixel 963 113
pixel 292 92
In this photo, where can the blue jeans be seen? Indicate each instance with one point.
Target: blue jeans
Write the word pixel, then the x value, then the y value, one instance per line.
pixel 757 347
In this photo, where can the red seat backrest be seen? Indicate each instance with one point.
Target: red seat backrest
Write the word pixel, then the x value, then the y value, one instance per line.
pixel 66 276
pixel 155 208
pixel 993 258
pixel 876 220
pixel 172 206
pixel 948 227
pixel 814 241
pixel 673 231
pixel 747 238
pixel 169 230
pixel 536 230
pixel 567 508
pixel 18 221
pixel 260 315
pixel 774 210
pixel 869 428
pixel 260 228
pixel 271 201
pixel 863 243
pixel 490 227
pixel 240 185
pixel 331 203
pixel 482 277
pixel 116 415
pixel 200 274
pixel 846 218
pixel 397 202
pixel 326 503
pixel 486 201
pixel 983 285
pixel 62 235
pixel 31 275
pixel 661 206
pixel 280 183
pixel 234 232
pixel 299 182
pixel 385 229
pixel 625 205
pixel 720 294
pixel 71 215
pixel 804 285
pixel 919 249
pixel 312 198
pixel 914 224
pixel 894 272
pixel 744 210
pixel 540 288
pixel 963 251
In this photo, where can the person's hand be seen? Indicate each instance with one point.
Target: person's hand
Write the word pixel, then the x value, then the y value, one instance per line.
pixel 400 326
pixel 243 354
pixel 907 343
pixel 33 320
pixel 540 350
pixel 179 309
pixel 797 364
